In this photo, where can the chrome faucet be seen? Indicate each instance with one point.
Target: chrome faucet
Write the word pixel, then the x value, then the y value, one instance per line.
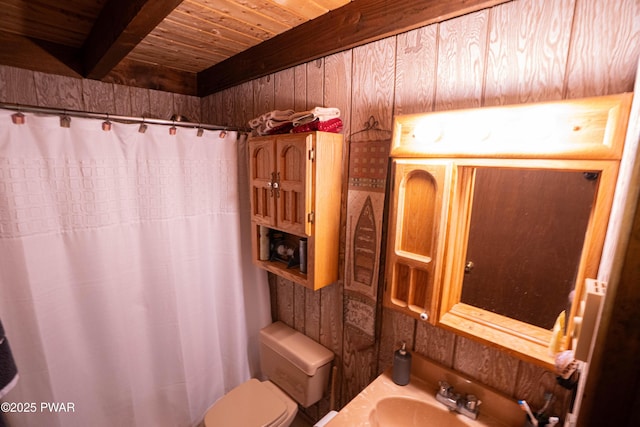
pixel 466 405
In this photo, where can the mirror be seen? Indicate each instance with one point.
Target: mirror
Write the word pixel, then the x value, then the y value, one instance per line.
pixel 526 234
pixel 524 194
pixel 533 231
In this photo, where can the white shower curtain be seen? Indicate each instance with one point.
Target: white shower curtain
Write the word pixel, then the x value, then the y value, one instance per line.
pixel 126 289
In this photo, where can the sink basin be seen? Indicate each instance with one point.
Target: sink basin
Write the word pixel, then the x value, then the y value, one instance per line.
pixel 403 411
pixel 383 403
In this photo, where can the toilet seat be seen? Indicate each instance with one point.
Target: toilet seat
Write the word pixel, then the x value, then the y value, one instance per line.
pixel 252 403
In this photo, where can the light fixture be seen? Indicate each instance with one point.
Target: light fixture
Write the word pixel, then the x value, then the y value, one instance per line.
pixel 428 132
pixel 200 132
pixel 143 127
pixel 223 133
pixel 172 130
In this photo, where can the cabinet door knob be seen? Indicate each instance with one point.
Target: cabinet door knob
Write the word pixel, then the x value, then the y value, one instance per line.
pixel 273 184
pixel 276 183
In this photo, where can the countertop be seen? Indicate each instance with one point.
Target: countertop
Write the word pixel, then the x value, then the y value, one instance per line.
pixel 495 411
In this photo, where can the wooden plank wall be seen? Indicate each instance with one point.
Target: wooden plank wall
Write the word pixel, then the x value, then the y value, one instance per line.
pixel 18 86
pixel 518 52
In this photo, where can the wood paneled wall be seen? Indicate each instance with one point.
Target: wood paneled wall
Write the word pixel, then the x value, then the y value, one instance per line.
pixel 518 52
pixel 18 86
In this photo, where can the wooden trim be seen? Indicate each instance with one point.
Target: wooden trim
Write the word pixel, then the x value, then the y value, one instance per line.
pixel 122 24
pixel 502 338
pixel 310 191
pixel 503 324
pixel 357 23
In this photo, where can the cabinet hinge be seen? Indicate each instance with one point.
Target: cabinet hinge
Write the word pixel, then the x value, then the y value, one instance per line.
pixel 311 216
pixel 312 154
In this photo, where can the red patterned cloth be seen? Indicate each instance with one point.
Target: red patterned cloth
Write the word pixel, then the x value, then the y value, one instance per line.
pixel 283 128
pixel 332 125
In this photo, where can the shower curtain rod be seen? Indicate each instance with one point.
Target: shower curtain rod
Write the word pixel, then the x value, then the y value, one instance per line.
pixel 115 117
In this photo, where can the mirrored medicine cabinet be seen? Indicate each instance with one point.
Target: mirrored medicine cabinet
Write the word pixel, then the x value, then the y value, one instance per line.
pixel 497 216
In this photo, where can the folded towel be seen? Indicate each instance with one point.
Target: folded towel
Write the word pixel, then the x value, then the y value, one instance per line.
pixel 8 369
pixel 280 115
pixel 275 115
pixel 265 123
pixel 282 121
pixel 328 112
pixel 331 125
pixel 282 128
pixel 322 114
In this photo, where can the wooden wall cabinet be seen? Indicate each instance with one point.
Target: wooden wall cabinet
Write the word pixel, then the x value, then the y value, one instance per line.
pixel 482 212
pixel 295 183
pixel 418 217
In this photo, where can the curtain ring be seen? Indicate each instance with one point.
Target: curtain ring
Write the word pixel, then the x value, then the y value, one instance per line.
pixel 65 120
pixel 18 118
pixel 106 125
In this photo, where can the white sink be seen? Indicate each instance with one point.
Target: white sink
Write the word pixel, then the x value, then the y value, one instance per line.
pixel 403 411
pixel 386 404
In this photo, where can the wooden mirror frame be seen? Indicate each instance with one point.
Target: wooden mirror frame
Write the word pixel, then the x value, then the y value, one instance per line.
pixel 529 341
pixel 585 134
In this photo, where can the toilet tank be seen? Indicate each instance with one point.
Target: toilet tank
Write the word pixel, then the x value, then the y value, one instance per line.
pixel 295 363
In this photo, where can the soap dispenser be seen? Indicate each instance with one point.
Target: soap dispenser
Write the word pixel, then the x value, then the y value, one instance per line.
pixel 401 366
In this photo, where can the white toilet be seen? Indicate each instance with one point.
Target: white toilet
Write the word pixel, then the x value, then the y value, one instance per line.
pixel 297 369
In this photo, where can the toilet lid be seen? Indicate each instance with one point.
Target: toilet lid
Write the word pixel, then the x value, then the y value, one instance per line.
pixel 249 404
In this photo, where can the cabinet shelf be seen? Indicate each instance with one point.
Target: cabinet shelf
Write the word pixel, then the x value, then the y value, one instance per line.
pixel 279 268
pixel 409 257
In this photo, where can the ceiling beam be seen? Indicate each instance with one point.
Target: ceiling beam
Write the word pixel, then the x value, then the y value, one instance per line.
pixel 121 25
pixel 37 55
pixel 356 23
pixel 51 58
pixel 148 76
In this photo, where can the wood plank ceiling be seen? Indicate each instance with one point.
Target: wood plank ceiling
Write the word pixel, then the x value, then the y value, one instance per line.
pixel 198 47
